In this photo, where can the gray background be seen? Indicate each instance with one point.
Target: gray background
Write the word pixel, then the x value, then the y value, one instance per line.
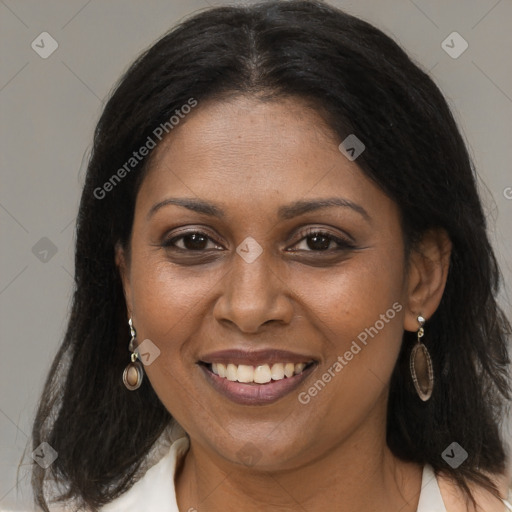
pixel 49 109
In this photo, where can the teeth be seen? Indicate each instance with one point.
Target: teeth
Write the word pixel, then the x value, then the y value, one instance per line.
pixel 262 374
pixel 221 369
pixel 277 371
pixel 231 372
pixel 289 368
pixel 259 374
pixel 299 367
pixel 245 373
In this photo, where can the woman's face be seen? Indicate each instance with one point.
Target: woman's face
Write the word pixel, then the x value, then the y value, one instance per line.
pixel 241 280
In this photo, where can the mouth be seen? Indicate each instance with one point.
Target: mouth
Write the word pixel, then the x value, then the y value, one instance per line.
pixel 260 383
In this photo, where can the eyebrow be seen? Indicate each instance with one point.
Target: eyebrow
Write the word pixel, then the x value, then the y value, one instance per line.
pixel 284 212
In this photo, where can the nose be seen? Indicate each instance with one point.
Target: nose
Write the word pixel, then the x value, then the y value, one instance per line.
pixel 253 294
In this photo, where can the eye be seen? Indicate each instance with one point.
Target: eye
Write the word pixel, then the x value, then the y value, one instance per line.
pixel 191 241
pixel 316 240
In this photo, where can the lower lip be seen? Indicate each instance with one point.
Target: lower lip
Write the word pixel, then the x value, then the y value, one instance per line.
pixel 255 394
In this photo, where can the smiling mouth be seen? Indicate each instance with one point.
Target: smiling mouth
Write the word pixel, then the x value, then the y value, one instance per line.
pixel 261 384
pixel 260 374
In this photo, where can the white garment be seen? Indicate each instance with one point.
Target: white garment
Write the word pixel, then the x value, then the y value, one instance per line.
pixel 155 490
pixel 430 497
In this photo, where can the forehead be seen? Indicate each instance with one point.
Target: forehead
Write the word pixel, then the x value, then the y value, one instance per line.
pixel 245 150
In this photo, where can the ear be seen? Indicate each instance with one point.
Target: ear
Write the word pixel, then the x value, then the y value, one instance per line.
pixel 429 263
pixel 123 265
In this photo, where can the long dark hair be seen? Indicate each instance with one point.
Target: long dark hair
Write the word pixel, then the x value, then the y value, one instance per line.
pixel 363 83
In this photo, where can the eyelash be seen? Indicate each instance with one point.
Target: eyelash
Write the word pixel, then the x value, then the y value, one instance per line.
pixel 343 243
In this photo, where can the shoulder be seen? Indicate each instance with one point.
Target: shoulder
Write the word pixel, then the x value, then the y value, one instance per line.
pixel 455 501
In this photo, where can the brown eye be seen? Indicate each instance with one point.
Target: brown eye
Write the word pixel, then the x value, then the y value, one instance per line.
pixel 321 241
pixel 192 241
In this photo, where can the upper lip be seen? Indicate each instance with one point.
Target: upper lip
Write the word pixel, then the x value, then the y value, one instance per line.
pixel 254 357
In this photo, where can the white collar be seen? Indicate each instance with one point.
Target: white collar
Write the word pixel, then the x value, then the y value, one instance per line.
pixel 430 497
pixel 155 490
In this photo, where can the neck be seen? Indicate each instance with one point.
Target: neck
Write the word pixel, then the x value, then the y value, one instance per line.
pixel 359 474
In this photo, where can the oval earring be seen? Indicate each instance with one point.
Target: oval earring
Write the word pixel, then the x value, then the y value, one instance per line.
pixel 133 373
pixel 420 365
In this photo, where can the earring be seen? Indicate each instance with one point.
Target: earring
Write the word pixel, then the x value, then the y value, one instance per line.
pixel 420 365
pixel 133 373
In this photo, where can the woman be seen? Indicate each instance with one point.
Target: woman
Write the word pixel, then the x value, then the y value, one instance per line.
pixel 285 293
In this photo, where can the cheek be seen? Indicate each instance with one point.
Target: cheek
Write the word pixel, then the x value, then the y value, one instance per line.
pixel 165 295
pixel 359 310
pixel 161 300
pixel 346 300
pixel 166 302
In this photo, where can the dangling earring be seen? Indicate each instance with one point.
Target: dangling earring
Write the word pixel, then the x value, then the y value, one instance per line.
pixel 133 373
pixel 420 365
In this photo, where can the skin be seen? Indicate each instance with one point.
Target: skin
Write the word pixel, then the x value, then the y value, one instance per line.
pixel 251 157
